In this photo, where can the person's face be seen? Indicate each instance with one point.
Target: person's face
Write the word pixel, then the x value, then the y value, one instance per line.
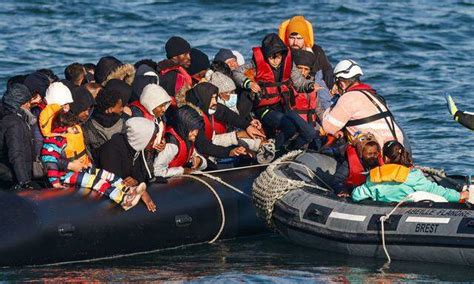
pixel 84 115
pixel 192 135
pixel 275 60
pixel 213 103
pixel 224 96
pixel 160 110
pixel 232 63
pixel 35 100
pixel 304 70
pixel 66 107
pixel 296 41
pixel 183 59
pixel 370 155
pixel 116 109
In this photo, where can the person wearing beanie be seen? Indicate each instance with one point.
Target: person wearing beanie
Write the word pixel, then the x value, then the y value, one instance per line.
pixel 179 156
pixel 125 92
pixel 276 76
pixel 109 68
pixel 297 33
pixel 64 171
pixel 199 65
pixel 76 74
pixel 178 50
pixel 240 58
pixel 310 106
pixel 227 56
pixel 125 155
pixel 82 103
pixel 16 151
pixel 106 120
pixel 214 140
pixel 37 83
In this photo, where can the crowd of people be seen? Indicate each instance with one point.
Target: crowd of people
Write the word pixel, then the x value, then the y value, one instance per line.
pixel 115 127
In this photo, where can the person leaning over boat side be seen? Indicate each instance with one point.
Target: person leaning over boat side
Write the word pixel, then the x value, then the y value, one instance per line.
pixel 466 119
pixel 173 76
pixel 179 156
pixel 125 155
pixel 359 109
pixel 297 33
pixel 272 75
pixel 16 139
pixel 199 65
pixel 203 98
pixel 397 178
pixel 63 171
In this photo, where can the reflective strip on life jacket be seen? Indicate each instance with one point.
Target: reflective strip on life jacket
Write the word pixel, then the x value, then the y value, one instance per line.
pixel 272 92
pixel 143 110
pixel 183 156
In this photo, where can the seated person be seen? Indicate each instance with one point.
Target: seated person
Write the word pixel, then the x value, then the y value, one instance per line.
pixel 62 171
pixel 396 179
pixel 199 65
pixel 179 156
pixel 275 77
pixel 125 154
pixel 466 119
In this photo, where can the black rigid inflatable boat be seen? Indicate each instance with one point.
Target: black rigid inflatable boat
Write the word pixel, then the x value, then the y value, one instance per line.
pixel 52 226
pixel 310 214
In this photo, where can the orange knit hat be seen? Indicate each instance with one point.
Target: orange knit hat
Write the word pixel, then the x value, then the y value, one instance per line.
pixel 297 24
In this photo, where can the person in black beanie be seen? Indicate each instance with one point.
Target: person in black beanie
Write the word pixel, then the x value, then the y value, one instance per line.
pixel 37 83
pixel 178 50
pixel 82 103
pixel 109 68
pixel 199 65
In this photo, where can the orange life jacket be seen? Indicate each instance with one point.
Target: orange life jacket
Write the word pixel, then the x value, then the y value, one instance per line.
pixel 356 175
pixel 272 92
pixel 305 106
pixel 184 154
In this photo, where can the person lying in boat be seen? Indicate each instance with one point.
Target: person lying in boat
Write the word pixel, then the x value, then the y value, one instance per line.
pixel 466 119
pixel 272 75
pixel 63 172
pixel 397 178
pixel 179 156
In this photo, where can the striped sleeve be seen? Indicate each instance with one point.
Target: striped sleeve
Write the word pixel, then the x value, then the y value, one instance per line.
pixel 51 152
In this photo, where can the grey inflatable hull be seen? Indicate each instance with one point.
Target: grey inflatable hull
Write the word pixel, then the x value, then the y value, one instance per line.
pixel 422 231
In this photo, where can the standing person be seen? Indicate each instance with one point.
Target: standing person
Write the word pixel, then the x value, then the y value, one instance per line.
pixel 16 140
pixel 359 108
pixel 125 155
pixel 64 171
pixel 276 76
pixel 297 33
pixel 465 118
pixel 179 156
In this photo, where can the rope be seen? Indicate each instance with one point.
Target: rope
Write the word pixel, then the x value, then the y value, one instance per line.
pixel 382 222
pixel 219 201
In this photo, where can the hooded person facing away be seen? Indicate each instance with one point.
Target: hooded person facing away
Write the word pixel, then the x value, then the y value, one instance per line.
pixel 16 141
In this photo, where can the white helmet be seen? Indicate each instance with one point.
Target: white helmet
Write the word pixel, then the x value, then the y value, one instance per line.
pixel 347 69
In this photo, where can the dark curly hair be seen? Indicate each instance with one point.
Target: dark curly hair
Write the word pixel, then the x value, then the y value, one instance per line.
pixel 105 99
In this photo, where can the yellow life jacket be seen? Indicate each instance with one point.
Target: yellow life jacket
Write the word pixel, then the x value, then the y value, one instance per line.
pixel 389 173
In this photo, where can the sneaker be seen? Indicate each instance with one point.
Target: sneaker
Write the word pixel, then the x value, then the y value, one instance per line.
pixel 132 196
pixel 266 153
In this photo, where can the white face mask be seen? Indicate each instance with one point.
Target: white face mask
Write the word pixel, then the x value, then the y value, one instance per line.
pixel 232 102
pixel 211 111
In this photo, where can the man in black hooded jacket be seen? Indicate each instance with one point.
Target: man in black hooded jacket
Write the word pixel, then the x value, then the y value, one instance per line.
pixel 16 139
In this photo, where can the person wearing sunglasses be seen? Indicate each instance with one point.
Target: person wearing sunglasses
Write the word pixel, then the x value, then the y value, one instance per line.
pixel 272 77
pixel 359 109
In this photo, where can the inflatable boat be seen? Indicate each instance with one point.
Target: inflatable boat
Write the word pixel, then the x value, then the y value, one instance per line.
pixel 294 197
pixel 54 226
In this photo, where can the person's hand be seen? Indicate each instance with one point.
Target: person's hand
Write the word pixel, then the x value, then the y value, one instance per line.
pixel 334 90
pixel 76 166
pixel 197 162
pixel 313 87
pixel 254 132
pixel 59 186
pixel 255 87
pixel 150 205
pixel 343 194
pixel 188 171
pixel 339 134
pixel 238 151
pixel 160 147
pixel 256 123
pixel 129 181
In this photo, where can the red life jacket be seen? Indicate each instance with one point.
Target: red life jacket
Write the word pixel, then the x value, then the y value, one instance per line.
pixel 356 175
pixel 182 78
pixel 208 126
pixel 360 87
pixel 305 106
pixel 272 92
pixel 219 127
pixel 184 154
pixel 143 110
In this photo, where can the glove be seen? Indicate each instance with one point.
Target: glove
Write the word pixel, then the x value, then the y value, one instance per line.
pixel 310 87
pixel 452 107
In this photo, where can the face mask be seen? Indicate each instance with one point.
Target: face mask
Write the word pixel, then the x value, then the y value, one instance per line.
pixel 232 102
pixel 211 111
